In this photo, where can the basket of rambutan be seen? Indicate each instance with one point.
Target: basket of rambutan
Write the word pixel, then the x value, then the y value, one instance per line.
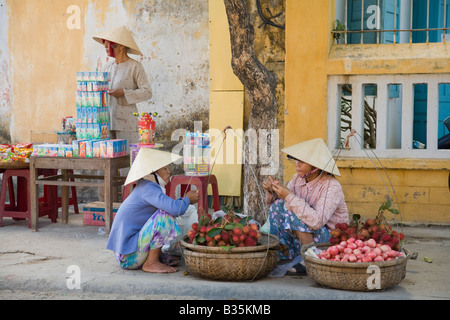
pixel 361 256
pixel 229 248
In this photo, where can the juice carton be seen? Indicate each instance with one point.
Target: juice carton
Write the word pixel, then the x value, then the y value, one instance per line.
pixel 89 149
pixel 103 149
pixel 89 114
pixel 97 97
pixel 84 99
pixel 83 133
pixel 97 131
pixel 95 117
pixel 90 131
pixel 78 99
pixel 82 150
pixel 79 76
pixel 79 115
pixel 96 149
pixel 61 150
pixel 68 151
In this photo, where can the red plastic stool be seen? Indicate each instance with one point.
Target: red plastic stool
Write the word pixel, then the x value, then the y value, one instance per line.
pixel 73 199
pixel 127 190
pixel 19 208
pixel 129 187
pixel 201 183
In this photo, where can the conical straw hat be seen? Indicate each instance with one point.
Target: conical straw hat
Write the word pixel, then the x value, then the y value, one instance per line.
pixel 147 161
pixel 316 153
pixel 121 36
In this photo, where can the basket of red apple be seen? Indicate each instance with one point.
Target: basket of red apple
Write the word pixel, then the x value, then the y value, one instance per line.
pixel 229 248
pixel 361 256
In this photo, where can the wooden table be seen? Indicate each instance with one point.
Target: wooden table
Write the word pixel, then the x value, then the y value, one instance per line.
pixel 110 181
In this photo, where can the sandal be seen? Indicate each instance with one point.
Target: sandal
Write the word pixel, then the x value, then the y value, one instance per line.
pixel 297 270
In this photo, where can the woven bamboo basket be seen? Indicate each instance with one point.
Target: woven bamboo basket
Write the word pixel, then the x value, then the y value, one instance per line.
pixel 230 266
pixel 266 241
pixel 350 275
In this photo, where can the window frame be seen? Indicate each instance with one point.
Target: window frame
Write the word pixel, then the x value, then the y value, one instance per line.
pixel 383 81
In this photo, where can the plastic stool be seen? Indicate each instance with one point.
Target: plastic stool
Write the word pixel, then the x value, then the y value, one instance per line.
pixel 73 199
pixel 201 183
pixel 127 190
pixel 20 208
pixel 129 187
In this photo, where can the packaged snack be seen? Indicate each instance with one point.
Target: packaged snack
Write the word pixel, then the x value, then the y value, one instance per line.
pixel 22 145
pixel 24 152
pixel 4 147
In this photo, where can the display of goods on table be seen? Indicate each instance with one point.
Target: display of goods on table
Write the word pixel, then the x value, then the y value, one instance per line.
pixel 15 156
pixel 83 149
pixel 358 253
pixel 229 248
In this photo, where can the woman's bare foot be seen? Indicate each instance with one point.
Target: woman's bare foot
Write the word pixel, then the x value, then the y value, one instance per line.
pixel 152 264
pixel 157 267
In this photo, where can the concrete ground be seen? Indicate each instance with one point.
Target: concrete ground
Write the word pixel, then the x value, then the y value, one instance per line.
pixel 40 265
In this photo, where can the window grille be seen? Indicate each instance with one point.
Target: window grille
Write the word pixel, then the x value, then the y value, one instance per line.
pixel 385 110
pixel 392 21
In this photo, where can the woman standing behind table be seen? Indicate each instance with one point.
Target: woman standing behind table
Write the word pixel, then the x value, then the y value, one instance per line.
pixel 312 203
pixel 128 83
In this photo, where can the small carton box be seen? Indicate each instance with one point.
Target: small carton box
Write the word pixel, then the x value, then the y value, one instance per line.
pixel 94 213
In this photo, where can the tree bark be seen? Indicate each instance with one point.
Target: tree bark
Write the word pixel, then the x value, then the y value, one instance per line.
pixel 260 85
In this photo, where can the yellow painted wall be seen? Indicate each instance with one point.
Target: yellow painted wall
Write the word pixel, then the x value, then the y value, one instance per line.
pixel 44 55
pixel 420 186
pixel 226 103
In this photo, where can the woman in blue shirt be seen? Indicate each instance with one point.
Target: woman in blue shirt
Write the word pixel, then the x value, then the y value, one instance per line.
pixel 146 220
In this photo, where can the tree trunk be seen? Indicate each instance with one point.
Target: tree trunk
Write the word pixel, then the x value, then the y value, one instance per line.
pixel 260 85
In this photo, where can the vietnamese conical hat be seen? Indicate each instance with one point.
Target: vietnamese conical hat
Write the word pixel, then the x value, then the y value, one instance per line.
pixel 122 36
pixel 147 161
pixel 315 153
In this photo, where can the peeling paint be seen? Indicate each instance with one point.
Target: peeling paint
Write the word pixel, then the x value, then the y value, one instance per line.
pixel 45 55
pixel 5 80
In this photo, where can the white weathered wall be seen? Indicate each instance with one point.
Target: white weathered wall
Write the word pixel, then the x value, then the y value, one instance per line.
pixel 5 78
pixel 173 36
pixel 39 57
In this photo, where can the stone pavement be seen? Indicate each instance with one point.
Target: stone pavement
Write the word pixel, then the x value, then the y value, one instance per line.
pixel 38 265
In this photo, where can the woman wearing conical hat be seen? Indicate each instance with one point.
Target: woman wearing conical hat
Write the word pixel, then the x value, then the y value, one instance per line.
pixel 311 204
pixel 145 221
pixel 128 82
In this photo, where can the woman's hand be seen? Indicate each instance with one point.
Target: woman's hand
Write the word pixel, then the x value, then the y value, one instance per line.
pixel 116 93
pixel 193 196
pixel 267 185
pixel 281 191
